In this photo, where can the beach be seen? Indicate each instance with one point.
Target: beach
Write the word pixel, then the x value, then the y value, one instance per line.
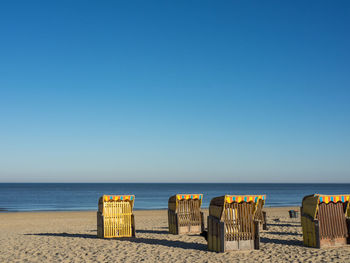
pixel 71 237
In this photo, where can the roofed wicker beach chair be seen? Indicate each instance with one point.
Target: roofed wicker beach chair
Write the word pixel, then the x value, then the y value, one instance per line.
pixel 115 217
pixel 325 220
pixel 184 214
pixel 233 223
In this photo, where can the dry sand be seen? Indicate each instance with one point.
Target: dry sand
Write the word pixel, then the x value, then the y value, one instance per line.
pixel 71 237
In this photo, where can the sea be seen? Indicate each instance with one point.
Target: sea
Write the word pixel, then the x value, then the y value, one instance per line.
pixel 16 197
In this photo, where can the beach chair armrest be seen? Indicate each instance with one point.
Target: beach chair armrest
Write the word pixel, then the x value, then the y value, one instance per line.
pixel 257 234
pixel 264 220
pixel 202 222
pixel 348 226
pixel 133 229
pixel 308 217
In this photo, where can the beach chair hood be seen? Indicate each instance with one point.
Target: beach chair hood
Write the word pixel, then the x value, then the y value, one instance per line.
pixel 115 198
pixel 311 203
pixel 173 203
pixel 217 204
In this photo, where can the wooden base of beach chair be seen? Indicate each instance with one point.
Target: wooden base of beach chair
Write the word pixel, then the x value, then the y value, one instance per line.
pixel 189 230
pixel 239 245
pixel 218 243
pixel 333 242
pixel 176 228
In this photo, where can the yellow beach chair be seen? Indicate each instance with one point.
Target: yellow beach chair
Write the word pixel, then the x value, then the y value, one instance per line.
pixel 184 214
pixel 233 223
pixel 115 217
pixel 325 220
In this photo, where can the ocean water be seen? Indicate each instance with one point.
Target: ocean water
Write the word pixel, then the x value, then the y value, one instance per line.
pixel 84 196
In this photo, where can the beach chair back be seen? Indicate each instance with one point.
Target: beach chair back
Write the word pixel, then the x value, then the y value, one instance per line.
pixel 184 214
pixel 232 223
pixel 325 220
pixel 115 216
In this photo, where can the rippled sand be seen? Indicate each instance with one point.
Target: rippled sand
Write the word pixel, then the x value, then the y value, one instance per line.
pixel 71 237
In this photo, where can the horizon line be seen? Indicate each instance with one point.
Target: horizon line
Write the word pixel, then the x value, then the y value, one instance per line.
pixel 174 183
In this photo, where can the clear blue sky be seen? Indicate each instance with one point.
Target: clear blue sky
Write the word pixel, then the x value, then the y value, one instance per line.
pixel 174 91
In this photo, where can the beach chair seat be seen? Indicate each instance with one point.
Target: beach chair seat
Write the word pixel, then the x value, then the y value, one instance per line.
pixel 115 217
pixel 325 220
pixel 233 224
pixel 184 214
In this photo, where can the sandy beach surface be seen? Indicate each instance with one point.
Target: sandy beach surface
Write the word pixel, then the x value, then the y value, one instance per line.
pixel 71 237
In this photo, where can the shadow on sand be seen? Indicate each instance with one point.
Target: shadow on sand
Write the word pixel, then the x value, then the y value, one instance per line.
pixel 283 233
pixel 64 235
pixel 160 232
pixel 168 243
pixel 143 240
pixel 284 224
pixel 298 243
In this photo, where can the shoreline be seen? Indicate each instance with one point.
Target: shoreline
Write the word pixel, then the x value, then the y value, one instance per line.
pixel 271 211
pixel 137 209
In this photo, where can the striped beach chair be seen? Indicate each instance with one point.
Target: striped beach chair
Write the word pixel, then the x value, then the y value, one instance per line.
pixel 184 214
pixel 233 223
pixel 325 220
pixel 115 217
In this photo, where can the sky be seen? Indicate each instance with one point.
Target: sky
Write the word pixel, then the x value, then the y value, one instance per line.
pixel 175 91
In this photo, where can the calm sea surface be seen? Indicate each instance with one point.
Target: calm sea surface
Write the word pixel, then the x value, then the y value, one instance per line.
pixel 77 196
